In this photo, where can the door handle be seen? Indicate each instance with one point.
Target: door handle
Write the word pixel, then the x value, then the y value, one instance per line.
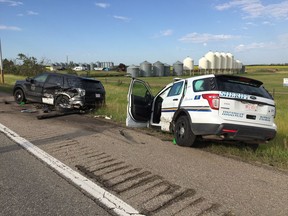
pixel 176 99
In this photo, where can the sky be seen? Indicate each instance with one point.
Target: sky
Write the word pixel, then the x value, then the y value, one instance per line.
pixel 134 31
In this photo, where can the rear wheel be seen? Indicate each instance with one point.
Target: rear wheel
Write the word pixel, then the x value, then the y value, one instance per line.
pixel 19 96
pixel 62 103
pixel 183 133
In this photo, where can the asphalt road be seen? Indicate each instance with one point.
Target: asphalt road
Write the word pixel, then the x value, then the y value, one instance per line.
pixel 29 187
pixel 150 173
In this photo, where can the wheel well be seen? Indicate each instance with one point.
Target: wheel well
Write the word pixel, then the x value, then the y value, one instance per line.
pixel 60 95
pixel 19 88
pixel 177 115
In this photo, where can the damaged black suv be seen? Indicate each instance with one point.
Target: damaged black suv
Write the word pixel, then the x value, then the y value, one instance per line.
pixel 61 91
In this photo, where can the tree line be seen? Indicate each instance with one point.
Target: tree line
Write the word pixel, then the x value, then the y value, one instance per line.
pixel 27 66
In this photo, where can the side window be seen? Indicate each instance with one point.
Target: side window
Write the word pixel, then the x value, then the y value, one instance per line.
pixel 73 82
pixel 56 80
pixel 203 85
pixel 139 90
pixel 176 89
pixel 41 78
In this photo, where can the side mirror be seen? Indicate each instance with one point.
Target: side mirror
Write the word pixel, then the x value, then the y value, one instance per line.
pixel 31 80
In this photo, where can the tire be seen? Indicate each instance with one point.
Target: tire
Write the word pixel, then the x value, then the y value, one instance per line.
pixel 62 103
pixel 19 96
pixel 183 133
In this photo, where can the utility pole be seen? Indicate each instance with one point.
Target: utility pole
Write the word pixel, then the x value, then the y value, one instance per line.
pixel 1 65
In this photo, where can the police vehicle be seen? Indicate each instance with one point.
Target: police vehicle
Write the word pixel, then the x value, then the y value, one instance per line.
pixel 217 107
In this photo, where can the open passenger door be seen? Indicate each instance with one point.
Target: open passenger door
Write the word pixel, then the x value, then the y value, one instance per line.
pixel 139 104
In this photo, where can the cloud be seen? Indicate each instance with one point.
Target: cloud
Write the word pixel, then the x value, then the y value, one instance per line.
pixel 102 5
pixel 164 33
pixel 11 3
pixel 10 28
pixel 32 13
pixel 255 8
pixel 204 38
pixel 126 19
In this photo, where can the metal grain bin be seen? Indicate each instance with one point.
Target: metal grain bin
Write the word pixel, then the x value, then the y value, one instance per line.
pixel 133 70
pixel 158 69
pixel 145 69
pixel 167 70
pixel 178 68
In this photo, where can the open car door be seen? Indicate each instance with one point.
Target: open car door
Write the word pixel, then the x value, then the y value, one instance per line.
pixel 139 104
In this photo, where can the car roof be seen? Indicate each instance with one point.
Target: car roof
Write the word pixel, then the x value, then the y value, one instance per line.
pixel 71 75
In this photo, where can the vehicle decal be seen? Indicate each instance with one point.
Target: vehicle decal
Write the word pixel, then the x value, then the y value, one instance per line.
pixel 189 108
pixel 197 97
pixel 232 114
pixel 234 95
pixel 265 118
pixel 48 98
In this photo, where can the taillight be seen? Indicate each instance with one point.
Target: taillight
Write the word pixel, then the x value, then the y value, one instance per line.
pixel 213 100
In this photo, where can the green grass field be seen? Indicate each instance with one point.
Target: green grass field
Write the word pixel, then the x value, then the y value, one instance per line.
pixel 274 153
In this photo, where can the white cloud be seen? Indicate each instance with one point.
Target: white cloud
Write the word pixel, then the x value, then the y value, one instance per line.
pixel 126 19
pixel 10 28
pixel 11 3
pixel 204 38
pixel 102 5
pixel 164 33
pixel 32 13
pixel 255 8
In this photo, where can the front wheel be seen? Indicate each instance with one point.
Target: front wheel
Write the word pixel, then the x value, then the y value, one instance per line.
pixel 183 133
pixel 19 96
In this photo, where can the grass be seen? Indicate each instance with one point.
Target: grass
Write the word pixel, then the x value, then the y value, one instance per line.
pixel 274 153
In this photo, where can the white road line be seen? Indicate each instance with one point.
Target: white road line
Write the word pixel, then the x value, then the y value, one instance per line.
pixel 109 200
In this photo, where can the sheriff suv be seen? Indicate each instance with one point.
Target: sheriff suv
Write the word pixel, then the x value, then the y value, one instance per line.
pixel 60 90
pixel 217 107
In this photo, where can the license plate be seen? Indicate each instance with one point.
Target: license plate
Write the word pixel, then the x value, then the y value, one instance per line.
pixel 98 95
pixel 251 107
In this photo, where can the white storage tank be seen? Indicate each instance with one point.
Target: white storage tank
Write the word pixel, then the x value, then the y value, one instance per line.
pixel 224 61
pixel 219 60
pixel 211 57
pixel 239 64
pixel 145 69
pixel 158 69
pixel 133 70
pixel 204 64
pixel 188 63
pixel 178 68
pixel 230 61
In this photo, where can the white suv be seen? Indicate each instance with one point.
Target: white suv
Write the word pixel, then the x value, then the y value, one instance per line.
pixel 225 107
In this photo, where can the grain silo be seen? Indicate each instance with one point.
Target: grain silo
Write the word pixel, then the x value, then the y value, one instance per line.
pixel 158 69
pixel 224 61
pixel 145 69
pixel 178 68
pixel 133 71
pixel 91 66
pixel 204 64
pixel 211 57
pixel 188 64
pixel 167 70
pixel 218 60
pixel 230 61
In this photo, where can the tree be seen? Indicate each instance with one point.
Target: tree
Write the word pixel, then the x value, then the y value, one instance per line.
pixel 29 65
pixel 121 67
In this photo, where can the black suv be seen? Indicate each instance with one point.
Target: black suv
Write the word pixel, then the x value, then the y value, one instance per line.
pixel 60 90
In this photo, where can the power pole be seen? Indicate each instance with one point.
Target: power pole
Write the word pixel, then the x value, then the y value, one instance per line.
pixel 1 65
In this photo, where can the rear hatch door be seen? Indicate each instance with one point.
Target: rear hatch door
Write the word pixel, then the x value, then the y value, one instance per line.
pixel 245 100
